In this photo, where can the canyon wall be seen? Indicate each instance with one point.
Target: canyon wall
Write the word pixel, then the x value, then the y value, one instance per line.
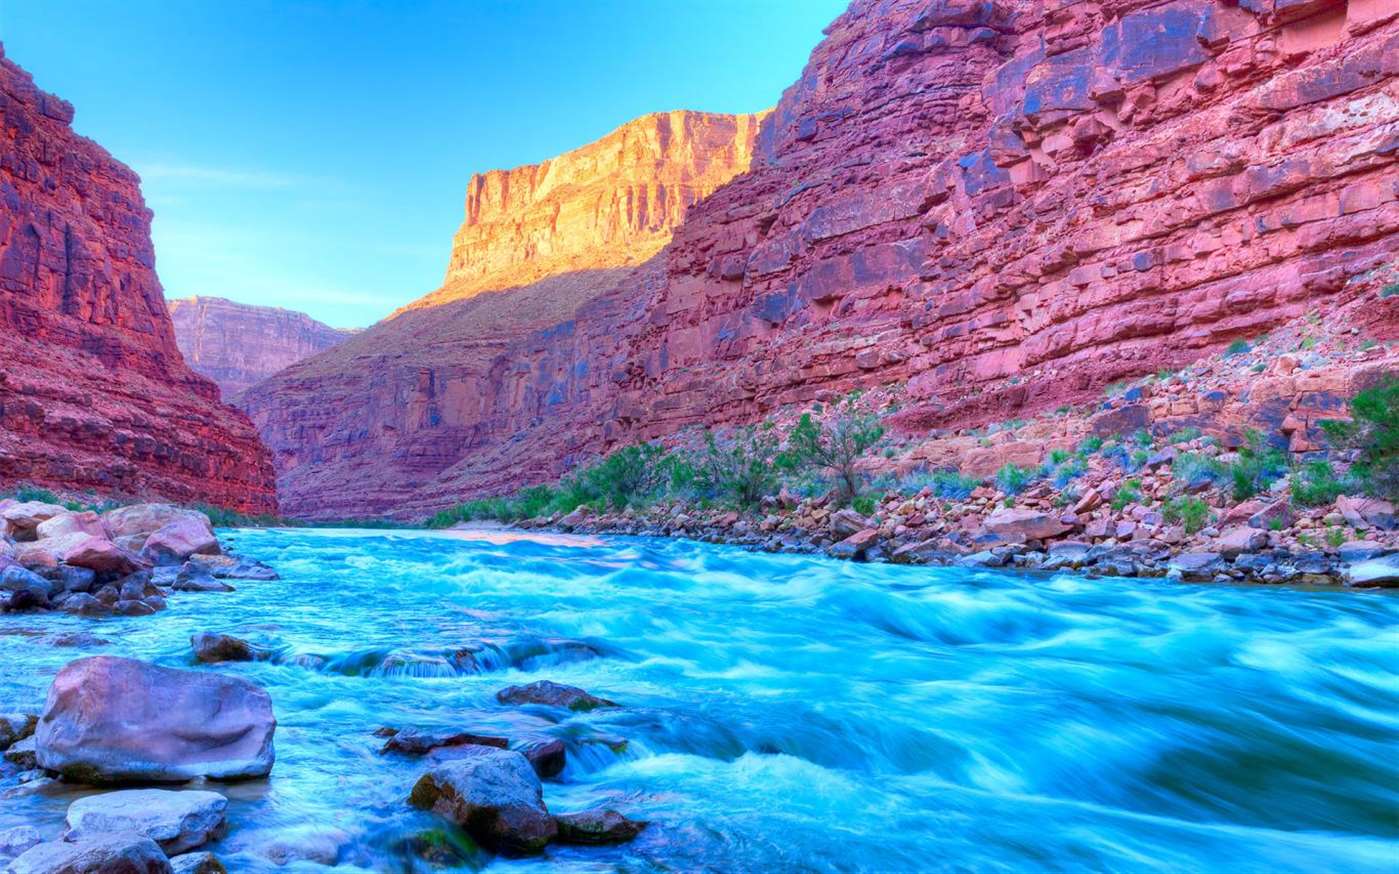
pixel 396 405
pixel 237 344
pixel 93 392
pixel 1004 204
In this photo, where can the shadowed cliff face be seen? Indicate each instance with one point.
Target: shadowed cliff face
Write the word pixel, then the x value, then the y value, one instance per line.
pixel 237 345
pixel 93 391
pixel 1004 205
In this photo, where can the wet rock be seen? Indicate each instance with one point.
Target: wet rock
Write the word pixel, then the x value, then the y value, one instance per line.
pixel 492 794
pixel 85 605
pixel 1196 566
pixel 552 694
pixel 14 841
pixel 129 607
pixel 413 742
pixel 596 827
pixel 1382 571
pixel 1360 550
pixel 1017 524
pixel 232 567
pixel 196 577
pixel 115 720
pixel 120 853
pixel 73 579
pixel 547 757
pixel 95 553
pixel 317 844
pixel 16 727
pixel 28 589
pixel 855 545
pixel 178 821
pixel 211 648
pixel 22 754
pixel 197 863
pixel 984 558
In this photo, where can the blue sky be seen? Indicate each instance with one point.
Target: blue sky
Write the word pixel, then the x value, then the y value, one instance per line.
pixel 314 155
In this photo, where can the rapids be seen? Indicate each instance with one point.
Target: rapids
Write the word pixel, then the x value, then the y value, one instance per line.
pixel 790 713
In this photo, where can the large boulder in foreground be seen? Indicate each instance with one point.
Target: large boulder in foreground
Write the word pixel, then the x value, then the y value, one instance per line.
pixel 494 795
pixel 132 526
pixel 112 853
pixel 178 821
pixel 113 720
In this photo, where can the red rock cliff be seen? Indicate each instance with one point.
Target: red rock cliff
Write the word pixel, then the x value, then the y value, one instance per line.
pixel 93 391
pixel 237 345
pixel 1005 204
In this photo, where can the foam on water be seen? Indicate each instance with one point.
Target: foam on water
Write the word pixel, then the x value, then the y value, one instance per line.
pixel 790 712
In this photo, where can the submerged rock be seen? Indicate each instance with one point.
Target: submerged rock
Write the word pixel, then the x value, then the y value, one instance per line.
pixel 547 757
pixel 494 795
pixel 553 695
pixel 596 827
pixel 413 742
pixel 119 853
pixel 16 727
pixel 194 577
pixel 211 648
pixel 14 841
pixel 115 720
pixel 318 844
pixel 178 821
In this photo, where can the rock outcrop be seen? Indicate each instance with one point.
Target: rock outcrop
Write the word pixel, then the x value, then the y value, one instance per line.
pixel 1005 205
pixel 93 391
pixel 238 345
pixel 394 406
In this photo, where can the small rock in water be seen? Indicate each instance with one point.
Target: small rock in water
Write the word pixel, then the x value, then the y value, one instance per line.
pixel 23 754
pixel 494 795
pixel 115 720
pixel 120 853
pixel 195 577
pixel 197 863
pixel 413 742
pixel 553 695
pixel 14 841
pixel 547 757
pixel 597 827
pixel 306 844
pixel 211 648
pixel 178 821
pixel 1382 571
pixel 16 727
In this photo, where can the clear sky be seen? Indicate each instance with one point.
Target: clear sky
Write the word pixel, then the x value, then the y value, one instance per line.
pixel 314 155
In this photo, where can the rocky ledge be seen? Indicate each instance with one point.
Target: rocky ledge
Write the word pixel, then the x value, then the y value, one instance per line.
pixel 125 561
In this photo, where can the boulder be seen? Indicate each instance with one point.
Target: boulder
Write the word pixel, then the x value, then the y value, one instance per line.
pixel 1234 541
pixel 196 578
pixel 86 522
pixel 847 522
pixel 413 742
pixel 596 827
pixel 95 553
pixel 132 524
pixel 197 863
pixel 1196 566
pixel 115 853
pixel 37 555
pixel 1015 524
pixel 1274 516
pixel 14 841
pixel 856 544
pixel 178 821
pixel 546 756
pixel 178 539
pixel 16 727
pixel 494 795
pixel 318 844
pixel 230 567
pixel 552 694
pixel 23 518
pixel 1381 571
pixel 211 648
pixel 27 588
pixel 116 720
pixel 1360 550
pixel 23 754
pixel 1366 512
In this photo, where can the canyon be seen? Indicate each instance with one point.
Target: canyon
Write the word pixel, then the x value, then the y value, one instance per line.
pixel 1003 205
pixel 237 345
pixel 94 394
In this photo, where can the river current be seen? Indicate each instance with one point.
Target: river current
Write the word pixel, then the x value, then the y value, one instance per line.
pixel 788 713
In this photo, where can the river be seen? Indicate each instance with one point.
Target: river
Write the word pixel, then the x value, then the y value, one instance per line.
pixel 790 713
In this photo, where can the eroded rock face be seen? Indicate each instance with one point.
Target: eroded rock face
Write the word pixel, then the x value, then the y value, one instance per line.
pixel 94 393
pixel 238 345
pixel 1004 204
pixel 114 720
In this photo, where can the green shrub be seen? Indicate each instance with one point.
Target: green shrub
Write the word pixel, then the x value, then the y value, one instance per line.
pixel 1143 438
pixel 1089 445
pixel 1195 467
pixel 1258 467
pixel 1238 347
pixel 1390 290
pixel 953 485
pixel 631 476
pixel 1184 435
pixel 1059 456
pixel 34 493
pixel 1130 492
pixel 1336 537
pixel 1012 479
pixel 739 468
pixel 837 445
pixel 1315 484
pixel 1373 432
pixel 1189 511
pixel 1069 471
pixel 863 504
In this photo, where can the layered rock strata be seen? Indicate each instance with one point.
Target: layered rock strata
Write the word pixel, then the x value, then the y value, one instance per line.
pixel 1005 205
pixel 93 392
pixel 238 345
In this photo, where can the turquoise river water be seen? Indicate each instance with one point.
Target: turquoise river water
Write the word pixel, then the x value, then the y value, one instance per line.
pixel 790 713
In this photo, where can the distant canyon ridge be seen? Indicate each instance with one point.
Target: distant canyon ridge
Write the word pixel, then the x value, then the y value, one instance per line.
pixel 238 345
pixel 1002 206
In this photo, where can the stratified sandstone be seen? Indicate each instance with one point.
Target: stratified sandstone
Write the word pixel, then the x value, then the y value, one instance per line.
pixel 1005 204
pixel 93 391
pixel 237 344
